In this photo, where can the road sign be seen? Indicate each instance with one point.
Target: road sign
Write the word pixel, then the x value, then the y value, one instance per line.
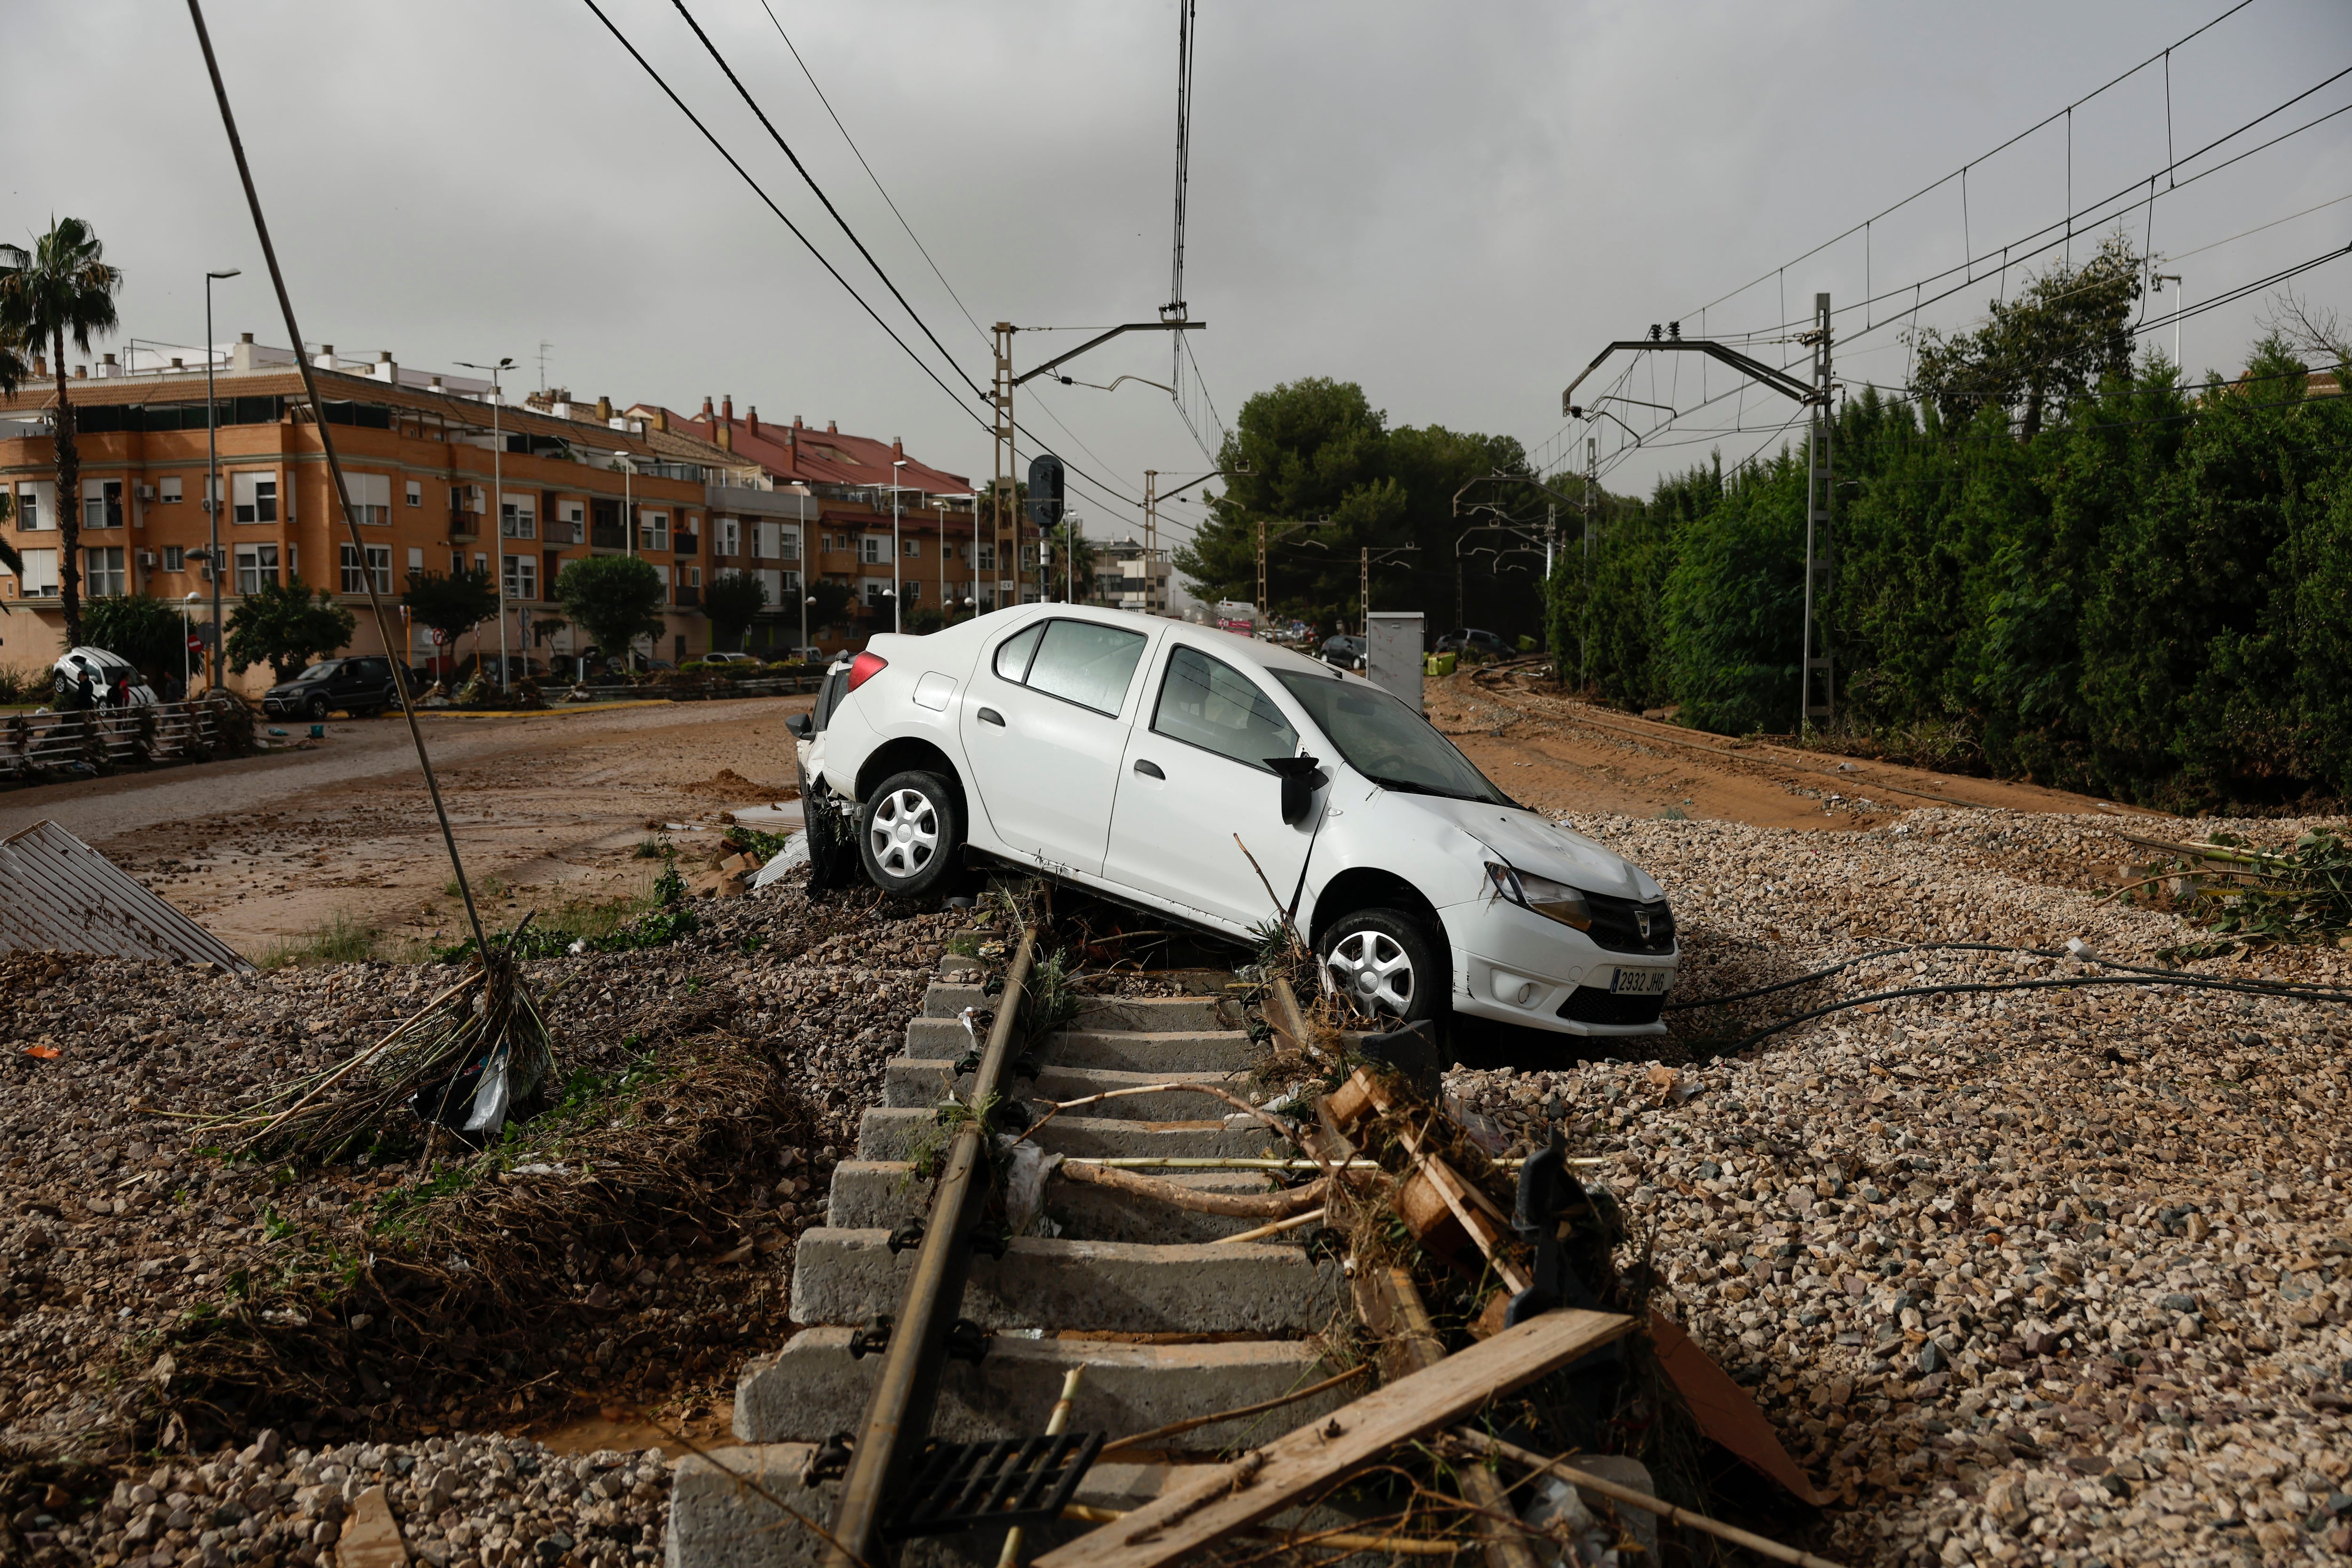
pixel 196 645
pixel 439 635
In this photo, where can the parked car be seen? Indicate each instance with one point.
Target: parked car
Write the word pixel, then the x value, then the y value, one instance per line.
pixel 1153 760
pixel 519 666
pixel 730 658
pixel 358 685
pixel 1344 650
pixel 1469 639
pixel 110 677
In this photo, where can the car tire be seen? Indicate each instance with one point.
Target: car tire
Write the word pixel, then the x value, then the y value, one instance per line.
pixel 908 833
pixel 316 707
pixel 1383 962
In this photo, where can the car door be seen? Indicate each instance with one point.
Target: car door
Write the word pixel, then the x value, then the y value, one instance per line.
pixel 1044 723
pixel 1196 801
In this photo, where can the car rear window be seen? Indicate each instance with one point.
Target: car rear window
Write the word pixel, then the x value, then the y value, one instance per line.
pixel 1091 665
pixel 1208 704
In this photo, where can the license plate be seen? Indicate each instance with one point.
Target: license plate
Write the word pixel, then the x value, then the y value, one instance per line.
pixel 1642 981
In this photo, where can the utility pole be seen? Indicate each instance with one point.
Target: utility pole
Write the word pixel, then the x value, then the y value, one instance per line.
pixel 1006 524
pixel 1150 537
pixel 1584 620
pixel 498 508
pixel 212 478
pixel 1280 529
pixel 1820 490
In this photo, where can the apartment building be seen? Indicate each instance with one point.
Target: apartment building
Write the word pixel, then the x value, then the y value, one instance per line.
pixel 1129 577
pixel 441 477
pixel 851 482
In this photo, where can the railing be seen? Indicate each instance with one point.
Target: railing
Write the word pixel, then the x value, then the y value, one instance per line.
pixel 465 525
pixel 688 545
pixel 689 596
pixel 608 536
pixel 36 746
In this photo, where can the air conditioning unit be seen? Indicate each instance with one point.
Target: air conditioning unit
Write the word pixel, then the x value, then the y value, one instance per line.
pixel 146 492
pixel 148 558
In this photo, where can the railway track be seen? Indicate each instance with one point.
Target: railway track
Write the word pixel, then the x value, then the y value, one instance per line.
pixel 1178 1357
pixel 1169 1312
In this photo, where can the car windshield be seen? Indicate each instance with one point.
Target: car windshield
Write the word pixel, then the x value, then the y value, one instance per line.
pixel 1387 741
pixel 316 672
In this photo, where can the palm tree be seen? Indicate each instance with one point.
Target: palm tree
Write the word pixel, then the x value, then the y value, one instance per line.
pixel 11 376
pixel 61 288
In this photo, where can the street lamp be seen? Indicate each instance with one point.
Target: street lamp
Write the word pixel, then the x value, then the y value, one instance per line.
pixel 2173 278
pixel 498 505
pixel 187 636
pixel 628 466
pixel 212 467
pixel 897 559
pixel 806 600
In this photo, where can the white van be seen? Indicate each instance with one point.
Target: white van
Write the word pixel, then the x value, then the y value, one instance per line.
pixel 1225 782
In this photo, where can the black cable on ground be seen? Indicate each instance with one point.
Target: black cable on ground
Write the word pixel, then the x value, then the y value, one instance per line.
pixel 2271 987
pixel 2191 982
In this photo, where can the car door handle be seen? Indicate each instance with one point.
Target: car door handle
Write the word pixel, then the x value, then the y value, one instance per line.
pixel 1148 770
pixel 991 716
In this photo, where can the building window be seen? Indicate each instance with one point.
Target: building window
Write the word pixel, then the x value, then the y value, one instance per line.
pixel 416 492
pixel 726 536
pixel 791 586
pixel 175 558
pixel 789 540
pixel 379 560
pixel 522 577
pixel 101 503
pixel 988 555
pixel 456 563
pixel 32 510
pixel 652 530
pixel 575 526
pixel 255 564
pixel 518 517
pixel 168 490
pixel 910 547
pixel 40 573
pixel 370 497
pixel 874 546
pixel 876 588
pixel 255 498
pixel 914 591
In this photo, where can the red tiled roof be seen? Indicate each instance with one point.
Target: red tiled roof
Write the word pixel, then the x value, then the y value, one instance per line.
pixel 813 456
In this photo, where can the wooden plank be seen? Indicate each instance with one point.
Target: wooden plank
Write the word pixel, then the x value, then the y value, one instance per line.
pixel 1286 1472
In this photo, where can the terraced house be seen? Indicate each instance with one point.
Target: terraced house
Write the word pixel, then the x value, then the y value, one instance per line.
pixel 439 478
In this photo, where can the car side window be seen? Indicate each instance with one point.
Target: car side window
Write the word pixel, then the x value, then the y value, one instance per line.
pixel 1085 663
pixel 1013 654
pixel 1208 704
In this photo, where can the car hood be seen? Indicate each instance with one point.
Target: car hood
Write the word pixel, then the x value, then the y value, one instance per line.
pixel 1526 842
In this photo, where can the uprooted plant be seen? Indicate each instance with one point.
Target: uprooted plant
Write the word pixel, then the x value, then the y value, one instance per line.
pixel 2252 898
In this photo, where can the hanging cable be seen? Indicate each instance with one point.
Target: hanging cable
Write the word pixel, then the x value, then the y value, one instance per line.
pixel 810 180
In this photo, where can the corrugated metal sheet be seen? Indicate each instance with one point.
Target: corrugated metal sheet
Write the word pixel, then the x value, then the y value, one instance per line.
pixel 58 895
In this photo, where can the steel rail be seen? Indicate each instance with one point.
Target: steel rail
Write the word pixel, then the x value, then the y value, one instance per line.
pixel 897 1418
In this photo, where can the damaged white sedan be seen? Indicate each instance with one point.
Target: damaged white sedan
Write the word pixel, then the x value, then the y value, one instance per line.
pixel 1230 784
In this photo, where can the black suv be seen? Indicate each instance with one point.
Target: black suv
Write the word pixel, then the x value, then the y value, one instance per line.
pixel 1472 640
pixel 358 685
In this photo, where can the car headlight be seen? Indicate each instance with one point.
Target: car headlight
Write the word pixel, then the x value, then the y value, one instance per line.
pixel 1553 901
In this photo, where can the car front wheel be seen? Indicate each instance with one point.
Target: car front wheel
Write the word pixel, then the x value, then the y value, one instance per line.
pixel 317 708
pixel 1382 963
pixel 908 833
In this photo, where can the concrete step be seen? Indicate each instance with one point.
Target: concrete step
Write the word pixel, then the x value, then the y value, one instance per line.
pixel 1151 1050
pixel 947 999
pixel 812 1388
pixel 880 1195
pixel 893 1132
pixel 1159 1013
pixel 915 1081
pixel 848 1276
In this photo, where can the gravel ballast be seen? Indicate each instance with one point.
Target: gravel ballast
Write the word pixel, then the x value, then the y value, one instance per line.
pixel 2039 1276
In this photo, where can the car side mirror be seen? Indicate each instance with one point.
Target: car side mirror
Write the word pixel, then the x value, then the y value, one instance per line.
pixel 802 724
pixel 1301 777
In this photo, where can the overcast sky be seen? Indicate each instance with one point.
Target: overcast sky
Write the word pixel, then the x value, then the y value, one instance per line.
pixel 1455 205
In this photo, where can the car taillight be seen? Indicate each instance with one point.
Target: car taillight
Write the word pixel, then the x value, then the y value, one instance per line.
pixel 863 667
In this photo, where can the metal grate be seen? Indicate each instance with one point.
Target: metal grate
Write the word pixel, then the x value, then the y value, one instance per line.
pixel 1592 1004
pixel 1024 1482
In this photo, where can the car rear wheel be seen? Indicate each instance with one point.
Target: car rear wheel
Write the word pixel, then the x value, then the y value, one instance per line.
pixel 908 833
pixel 1382 963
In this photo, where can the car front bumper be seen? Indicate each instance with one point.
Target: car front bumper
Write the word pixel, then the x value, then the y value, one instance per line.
pixel 1515 967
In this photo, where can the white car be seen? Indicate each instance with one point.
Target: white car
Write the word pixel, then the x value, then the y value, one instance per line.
pixel 104 671
pixel 1225 782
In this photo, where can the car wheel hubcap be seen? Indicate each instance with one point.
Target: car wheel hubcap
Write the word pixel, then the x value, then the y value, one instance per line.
pixel 1371 970
pixel 905 832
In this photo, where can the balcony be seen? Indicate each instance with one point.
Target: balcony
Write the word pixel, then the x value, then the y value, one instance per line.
pixel 689 544
pixel 465 525
pixel 689 596
pixel 608 536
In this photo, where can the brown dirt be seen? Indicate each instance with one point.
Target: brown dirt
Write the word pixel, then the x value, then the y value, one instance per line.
pixel 1557 753
pixel 548 809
